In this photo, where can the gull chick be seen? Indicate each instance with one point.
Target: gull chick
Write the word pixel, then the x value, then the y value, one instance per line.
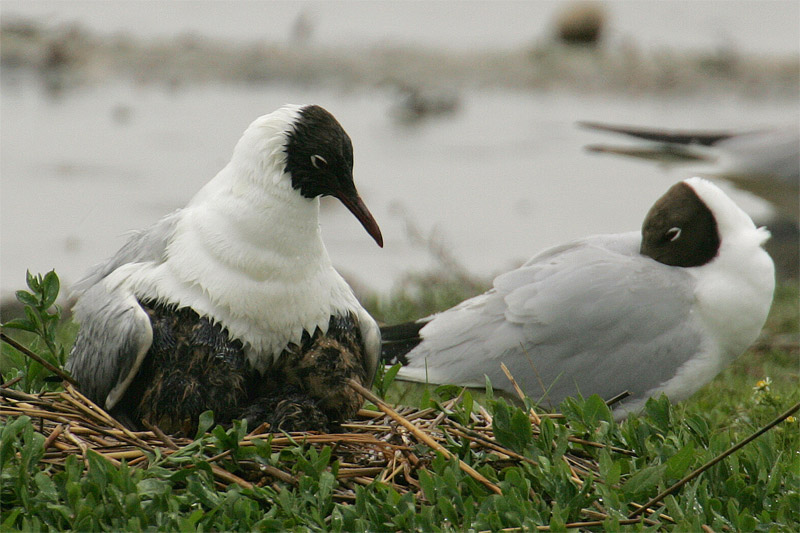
pixel 663 310
pixel 232 303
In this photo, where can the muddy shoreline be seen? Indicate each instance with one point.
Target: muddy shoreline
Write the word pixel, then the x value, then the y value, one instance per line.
pixel 81 57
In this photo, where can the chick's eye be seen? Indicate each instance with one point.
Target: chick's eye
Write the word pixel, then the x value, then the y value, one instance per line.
pixel 318 161
pixel 672 234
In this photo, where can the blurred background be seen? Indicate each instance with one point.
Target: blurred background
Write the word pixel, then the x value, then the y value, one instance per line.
pixel 463 117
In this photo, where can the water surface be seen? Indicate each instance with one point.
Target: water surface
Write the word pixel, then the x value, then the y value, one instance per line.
pixel 495 182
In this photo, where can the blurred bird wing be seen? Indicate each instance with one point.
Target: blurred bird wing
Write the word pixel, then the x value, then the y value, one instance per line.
pixel 665 154
pixel 771 155
pixel 114 337
pixel 764 162
pixel 592 316
pixel 703 138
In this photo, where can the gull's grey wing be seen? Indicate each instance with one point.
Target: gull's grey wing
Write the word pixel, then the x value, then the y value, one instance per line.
pixel 115 331
pixel 663 146
pixel 773 154
pixel 148 244
pixel 703 138
pixel 665 154
pixel 764 162
pixel 589 317
pixel 114 337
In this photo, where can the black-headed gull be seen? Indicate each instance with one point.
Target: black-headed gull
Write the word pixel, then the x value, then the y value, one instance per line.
pixel 658 311
pixel 232 303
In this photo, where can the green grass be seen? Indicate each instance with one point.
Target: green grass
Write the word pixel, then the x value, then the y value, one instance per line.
pixel 756 489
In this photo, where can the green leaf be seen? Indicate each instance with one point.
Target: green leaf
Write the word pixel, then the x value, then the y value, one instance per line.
pixel 47 488
pixel 20 323
pixel 189 523
pixel 326 484
pixel 521 426
pixel 33 318
pixel 50 289
pixel 614 472
pixel 447 509
pixel 746 521
pixel 644 480
pixel 511 426
pixel 224 440
pixel 595 410
pixel 389 375
pixel 32 281
pixel 152 487
pixel 9 432
pixel 488 387
pixel 26 298
pixel 33 447
pixel 678 464
pixel 659 410
pixel 9 522
pixel 204 421
pixel 428 485
pixel 324 459
pixel 467 402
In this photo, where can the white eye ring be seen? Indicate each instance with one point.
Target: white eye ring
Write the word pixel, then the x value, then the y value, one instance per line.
pixel 318 161
pixel 673 234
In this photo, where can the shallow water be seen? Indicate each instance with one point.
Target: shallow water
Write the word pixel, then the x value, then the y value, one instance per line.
pixel 495 182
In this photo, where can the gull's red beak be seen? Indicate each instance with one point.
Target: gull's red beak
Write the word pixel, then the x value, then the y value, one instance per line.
pixel 356 206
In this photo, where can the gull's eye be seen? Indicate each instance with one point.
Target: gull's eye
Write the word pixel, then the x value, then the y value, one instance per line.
pixel 672 234
pixel 318 161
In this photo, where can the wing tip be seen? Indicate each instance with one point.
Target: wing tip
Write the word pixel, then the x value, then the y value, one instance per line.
pixel 399 339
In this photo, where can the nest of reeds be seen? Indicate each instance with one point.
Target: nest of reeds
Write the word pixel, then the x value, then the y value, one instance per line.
pixel 390 447
pixel 387 445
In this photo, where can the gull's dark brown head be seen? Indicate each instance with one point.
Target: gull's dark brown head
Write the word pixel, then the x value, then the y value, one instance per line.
pixel 319 157
pixel 680 229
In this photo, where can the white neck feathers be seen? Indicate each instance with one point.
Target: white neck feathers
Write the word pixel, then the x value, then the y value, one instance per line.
pixel 734 291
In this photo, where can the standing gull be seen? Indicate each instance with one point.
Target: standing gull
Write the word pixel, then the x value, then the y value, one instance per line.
pixel 661 311
pixel 232 303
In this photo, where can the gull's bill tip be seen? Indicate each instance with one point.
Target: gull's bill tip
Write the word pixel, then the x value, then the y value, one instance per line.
pixel 356 206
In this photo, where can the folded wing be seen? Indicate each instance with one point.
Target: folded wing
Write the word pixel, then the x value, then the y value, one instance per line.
pixel 115 332
pixel 592 316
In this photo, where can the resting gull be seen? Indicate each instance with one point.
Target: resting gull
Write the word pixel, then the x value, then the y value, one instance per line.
pixel 231 303
pixel 663 310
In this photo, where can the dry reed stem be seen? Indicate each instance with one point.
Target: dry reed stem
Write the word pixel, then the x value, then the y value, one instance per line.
pixel 534 417
pixel 224 475
pixel 109 419
pixel 53 436
pixel 424 437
